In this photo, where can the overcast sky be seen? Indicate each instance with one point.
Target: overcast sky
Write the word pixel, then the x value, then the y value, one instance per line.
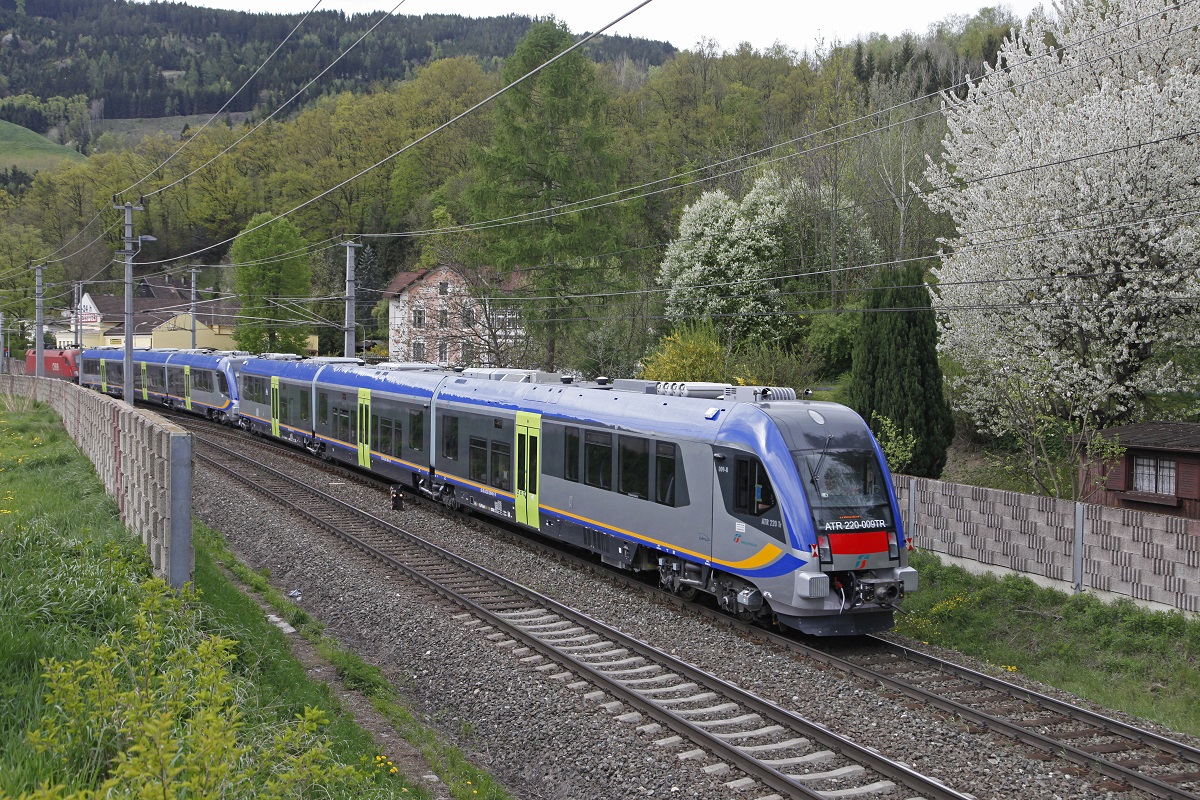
pixel 799 25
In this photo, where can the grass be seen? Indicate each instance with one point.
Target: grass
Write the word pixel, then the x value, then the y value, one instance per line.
pixel 128 133
pixel 464 779
pixel 1118 655
pixel 23 148
pixel 71 576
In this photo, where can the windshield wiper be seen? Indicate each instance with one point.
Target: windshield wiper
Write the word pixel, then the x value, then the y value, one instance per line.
pixel 815 472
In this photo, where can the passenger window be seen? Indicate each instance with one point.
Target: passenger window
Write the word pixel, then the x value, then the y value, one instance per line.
pixel 571 455
pixel 450 438
pixel 501 465
pixel 477 460
pixel 664 473
pixel 597 458
pixel 416 430
pixel 323 408
pixel 753 494
pixel 633 466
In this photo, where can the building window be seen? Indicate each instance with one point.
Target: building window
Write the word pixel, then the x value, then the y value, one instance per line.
pixel 468 316
pixel 1154 475
pixel 418 351
pixel 443 319
pixel 418 318
pixel 444 288
pixel 443 351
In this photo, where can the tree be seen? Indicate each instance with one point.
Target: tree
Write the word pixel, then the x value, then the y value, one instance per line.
pixel 721 265
pixel 550 148
pixel 895 380
pixel 1070 175
pixel 273 280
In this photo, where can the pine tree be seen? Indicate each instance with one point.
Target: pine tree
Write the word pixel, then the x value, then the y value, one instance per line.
pixel 551 147
pixel 895 375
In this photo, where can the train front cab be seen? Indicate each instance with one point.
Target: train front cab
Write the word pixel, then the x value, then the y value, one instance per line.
pixel 858 569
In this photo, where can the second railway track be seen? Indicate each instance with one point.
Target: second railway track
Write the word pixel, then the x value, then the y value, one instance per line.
pixel 1127 756
pixel 770 745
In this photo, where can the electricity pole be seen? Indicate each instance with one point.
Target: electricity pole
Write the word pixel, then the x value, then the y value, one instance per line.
pixel 350 289
pixel 3 347
pixel 78 318
pixel 38 322
pixel 130 241
pixel 193 271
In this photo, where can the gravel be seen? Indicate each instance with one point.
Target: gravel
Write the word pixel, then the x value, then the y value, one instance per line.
pixel 539 737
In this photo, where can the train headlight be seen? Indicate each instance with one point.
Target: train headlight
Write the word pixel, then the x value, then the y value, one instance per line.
pixel 823 549
pixel 893 546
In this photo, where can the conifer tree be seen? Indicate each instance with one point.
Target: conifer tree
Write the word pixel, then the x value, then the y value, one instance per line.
pixel 895 374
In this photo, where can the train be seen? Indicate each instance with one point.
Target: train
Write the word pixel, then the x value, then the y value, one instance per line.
pixel 779 507
pixel 62 364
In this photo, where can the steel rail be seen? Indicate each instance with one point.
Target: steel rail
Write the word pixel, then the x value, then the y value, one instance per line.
pixel 893 770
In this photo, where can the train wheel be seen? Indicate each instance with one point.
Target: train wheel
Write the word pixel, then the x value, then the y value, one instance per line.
pixel 688 593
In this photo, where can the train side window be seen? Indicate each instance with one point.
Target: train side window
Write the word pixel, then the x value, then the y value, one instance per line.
pixel 753 494
pixel 202 380
pixel 501 465
pixel 597 459
pixel 222 383
pixel 389 436
pixel 376 433
pixel 323 408
pixel 137 377
pixel 633 466
pixel 477 459
pixel 154 374
pixel 664 473
pixel 416 430
pixel 571 454
pixel 450 437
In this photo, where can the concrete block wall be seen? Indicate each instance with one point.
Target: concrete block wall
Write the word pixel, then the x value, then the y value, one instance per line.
pixel 143 460
pixel 1150 558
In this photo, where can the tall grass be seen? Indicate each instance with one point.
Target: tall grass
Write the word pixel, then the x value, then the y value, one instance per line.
pixel 86 640
pixel 1116 654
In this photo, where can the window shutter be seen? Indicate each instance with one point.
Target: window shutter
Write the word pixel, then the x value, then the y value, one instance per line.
pixel 1116 475
pixel 1188 480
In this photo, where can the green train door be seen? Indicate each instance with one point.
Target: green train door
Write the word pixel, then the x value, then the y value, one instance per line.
pixel 275 406
pixel 364 428
pixel 145 384
pixel 103 376
pixel 187 388
pixel 529 437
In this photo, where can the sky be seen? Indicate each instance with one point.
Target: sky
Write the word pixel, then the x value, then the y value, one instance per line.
pixel 798 25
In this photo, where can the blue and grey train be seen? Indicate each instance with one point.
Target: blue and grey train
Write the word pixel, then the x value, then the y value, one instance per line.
pixel 203 382
pixel 780 508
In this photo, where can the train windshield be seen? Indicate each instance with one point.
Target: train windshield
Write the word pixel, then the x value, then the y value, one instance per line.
pixel 845 489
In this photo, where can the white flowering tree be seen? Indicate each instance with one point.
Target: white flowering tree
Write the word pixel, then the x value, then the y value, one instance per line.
pixel 721 265
pixel 1070 172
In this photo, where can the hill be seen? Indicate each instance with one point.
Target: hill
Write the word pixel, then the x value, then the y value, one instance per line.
pixel 123 60
pixel 29 152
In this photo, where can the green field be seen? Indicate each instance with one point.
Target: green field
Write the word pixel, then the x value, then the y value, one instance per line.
pixel 128 132
pixel 23 148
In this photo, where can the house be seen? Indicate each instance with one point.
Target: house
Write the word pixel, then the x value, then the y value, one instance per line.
pixel 439 315
pixel 161 318
pixel 1158 472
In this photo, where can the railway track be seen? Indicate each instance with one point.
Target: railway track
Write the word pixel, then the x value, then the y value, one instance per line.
pixel 1124 756
pixel 706 718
